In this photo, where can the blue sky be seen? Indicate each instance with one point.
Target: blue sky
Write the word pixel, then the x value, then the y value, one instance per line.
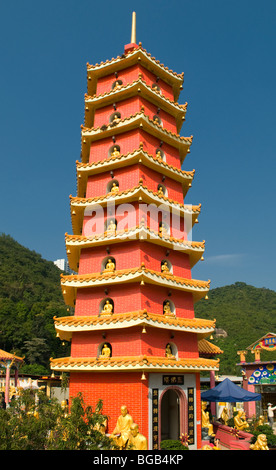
pixel 226 50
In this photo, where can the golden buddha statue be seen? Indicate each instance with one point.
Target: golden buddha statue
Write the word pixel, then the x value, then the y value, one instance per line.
pixel 160 191
pixel 121 433
pixel 115 152
pixel 205 420
pixel 108 308
pixel 224 415
pixel 64 407
pixel 260 444
pixel 162 230
pixel 165 268
pixel 240 422
pixel 159 154
pixel 116 118
pixel 136 440
pixel 105 352
pixel 117 85
pixel 111 227
pixel 110 266
pixel 168 352
pixel 167 309
pixel 261 420
pixel 115 188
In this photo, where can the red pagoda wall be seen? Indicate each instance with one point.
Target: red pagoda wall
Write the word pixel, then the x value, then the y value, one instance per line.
pixel 129 387
pixel 133 297
pixel 130 141
pixel 130 75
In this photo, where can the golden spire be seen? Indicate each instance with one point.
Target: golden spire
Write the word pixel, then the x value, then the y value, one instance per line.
pixel 133 29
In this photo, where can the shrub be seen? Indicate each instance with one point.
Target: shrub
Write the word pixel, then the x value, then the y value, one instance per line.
pixel 171 444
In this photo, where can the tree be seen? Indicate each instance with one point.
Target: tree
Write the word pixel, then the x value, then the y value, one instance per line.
pixel 32 422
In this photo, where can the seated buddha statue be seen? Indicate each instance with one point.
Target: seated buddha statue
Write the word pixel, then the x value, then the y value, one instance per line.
pixel 116 118
pixel 136 440
pixel 117 85
pixel 115 152
pixel 160 191
pixel 240 422
pixel 105 352
pixel 115 188
pixel 159 154
pixel 162 230
pixel 121 433
pixel 110 266
pixel 111 226
pixel 167 309
pixel 107 309
pixel 165 268
pixel 168 352
pixel 205 420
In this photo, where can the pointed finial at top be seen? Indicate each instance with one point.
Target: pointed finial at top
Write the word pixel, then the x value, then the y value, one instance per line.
pixel 133 29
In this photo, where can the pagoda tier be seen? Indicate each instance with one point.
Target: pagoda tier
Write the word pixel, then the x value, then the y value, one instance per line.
pixel 134 338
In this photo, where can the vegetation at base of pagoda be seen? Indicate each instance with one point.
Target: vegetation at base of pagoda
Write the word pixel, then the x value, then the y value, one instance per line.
pixel 32 422
pixel 245 313
pixel 30 296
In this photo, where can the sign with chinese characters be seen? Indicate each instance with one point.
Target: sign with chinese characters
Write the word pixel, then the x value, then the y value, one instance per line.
pixel 155 417
pixel 173 379
pixel 191 416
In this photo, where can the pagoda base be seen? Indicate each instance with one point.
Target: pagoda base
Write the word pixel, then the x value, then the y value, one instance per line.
pixel 163 405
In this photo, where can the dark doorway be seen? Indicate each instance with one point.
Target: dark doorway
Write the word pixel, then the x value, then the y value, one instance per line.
pixel 170 416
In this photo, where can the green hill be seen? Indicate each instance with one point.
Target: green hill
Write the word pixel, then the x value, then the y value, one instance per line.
pixel 245 313
pixel 30 296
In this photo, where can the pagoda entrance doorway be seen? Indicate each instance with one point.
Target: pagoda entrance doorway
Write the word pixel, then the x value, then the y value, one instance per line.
pixel 170 414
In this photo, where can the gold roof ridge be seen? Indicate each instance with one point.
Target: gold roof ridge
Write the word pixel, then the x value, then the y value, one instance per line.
pixel 135 51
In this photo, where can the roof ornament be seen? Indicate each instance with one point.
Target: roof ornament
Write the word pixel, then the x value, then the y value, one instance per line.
pixel 133 29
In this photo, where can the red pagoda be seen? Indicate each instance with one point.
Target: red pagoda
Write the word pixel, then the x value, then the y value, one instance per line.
pixel 134 337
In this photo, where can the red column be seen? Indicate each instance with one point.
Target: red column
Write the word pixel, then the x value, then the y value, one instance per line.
pixel 7 384
pixel 212 385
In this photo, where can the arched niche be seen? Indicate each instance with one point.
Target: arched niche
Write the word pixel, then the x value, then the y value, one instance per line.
pixel 160 154
pixel 106 306
pixel 110 225
pixel 156 87
pixel 104 350
pixel 168 308
pixel 108 264
pixel 112 186
pixel 115 117
pixel 166 266
pixel 157 120
pixel 162 190
pixel 171 350
pixel 164 229
pixel 114 151
pixel 116 84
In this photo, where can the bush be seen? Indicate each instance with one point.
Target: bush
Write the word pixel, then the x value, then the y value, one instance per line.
pixel 171 444
pixel 33 422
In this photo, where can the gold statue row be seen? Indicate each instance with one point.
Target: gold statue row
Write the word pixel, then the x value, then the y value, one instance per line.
pixel 106 352
pixel 112 226
pixel 108 309
pixel 115 189
pixel 116 152
pixel 126 433
pixel 240 424
pixel 110 266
